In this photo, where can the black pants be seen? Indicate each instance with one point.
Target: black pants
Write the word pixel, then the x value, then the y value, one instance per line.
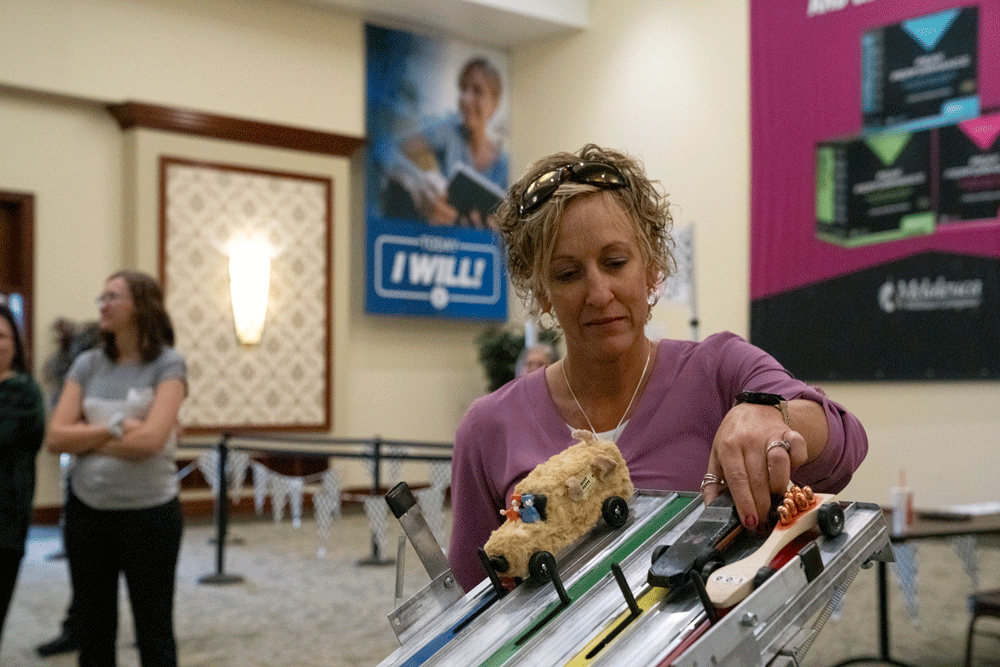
pixel 144 545
pixel 10 564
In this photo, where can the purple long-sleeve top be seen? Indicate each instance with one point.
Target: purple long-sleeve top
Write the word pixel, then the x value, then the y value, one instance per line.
pixel 666 442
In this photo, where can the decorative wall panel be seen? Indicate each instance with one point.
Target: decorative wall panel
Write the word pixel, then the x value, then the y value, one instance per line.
pixel 206 210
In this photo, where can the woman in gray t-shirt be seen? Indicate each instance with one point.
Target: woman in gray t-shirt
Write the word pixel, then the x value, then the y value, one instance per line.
pixel 117 414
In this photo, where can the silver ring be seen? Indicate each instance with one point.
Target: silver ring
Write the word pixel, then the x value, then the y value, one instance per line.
pixel 710 478
pixel 778 443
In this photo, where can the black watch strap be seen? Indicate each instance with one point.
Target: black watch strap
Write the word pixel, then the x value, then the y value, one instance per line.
pixel 762 398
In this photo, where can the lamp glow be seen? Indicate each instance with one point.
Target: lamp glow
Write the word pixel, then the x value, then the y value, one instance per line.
pixel 249 281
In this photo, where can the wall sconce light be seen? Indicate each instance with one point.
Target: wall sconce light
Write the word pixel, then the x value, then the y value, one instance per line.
pixel 249 281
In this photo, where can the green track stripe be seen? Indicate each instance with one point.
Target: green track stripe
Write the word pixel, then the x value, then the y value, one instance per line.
pixel 596 573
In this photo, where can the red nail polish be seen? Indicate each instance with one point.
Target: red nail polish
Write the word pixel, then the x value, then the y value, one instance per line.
pixel 750 521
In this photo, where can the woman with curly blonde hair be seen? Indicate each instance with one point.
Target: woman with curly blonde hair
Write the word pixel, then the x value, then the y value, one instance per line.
pixel 588 244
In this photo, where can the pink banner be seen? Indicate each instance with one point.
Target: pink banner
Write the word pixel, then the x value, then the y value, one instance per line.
pixel 814 79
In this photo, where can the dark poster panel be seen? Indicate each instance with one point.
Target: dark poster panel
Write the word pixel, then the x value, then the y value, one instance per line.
pixel 928 317
pixel 875 187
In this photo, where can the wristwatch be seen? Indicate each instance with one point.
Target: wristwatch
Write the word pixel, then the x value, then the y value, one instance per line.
pixel 760 398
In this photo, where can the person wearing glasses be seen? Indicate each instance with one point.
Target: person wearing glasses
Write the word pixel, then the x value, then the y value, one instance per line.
pixel 588 242
pixel 22 429
pixel 118 414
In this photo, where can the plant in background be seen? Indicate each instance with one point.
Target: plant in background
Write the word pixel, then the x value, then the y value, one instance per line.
pixel 499 348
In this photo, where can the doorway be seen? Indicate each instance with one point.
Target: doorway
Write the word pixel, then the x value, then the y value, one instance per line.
pixel 17 257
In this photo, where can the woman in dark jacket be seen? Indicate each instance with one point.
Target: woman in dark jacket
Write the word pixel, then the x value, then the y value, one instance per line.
pixel 22 429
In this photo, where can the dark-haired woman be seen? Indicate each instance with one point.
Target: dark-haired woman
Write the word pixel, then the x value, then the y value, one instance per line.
pixel 118 414
pixel 22 429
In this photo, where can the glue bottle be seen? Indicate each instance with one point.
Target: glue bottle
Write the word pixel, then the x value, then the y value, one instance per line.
pixel 901 500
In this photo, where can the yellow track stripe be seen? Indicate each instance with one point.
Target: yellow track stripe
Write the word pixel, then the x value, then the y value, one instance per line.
pixel 646 601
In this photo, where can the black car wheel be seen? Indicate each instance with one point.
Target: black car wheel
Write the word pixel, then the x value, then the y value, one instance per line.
pixel 540 566
pixel 615 511
pixel 830 518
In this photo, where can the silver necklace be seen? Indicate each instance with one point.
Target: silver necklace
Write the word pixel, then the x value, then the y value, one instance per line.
pixel 614 435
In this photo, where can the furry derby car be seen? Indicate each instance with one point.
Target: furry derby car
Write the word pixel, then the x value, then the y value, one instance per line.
pixel 558 502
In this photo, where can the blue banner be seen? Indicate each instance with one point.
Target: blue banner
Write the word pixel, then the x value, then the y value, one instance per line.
pixel 437 169
pixel 435 271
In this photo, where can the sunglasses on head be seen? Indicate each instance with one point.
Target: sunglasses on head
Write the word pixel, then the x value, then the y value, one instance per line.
pixel 542 188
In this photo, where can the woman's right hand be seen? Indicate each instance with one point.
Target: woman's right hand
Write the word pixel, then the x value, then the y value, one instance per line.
pixel 753 455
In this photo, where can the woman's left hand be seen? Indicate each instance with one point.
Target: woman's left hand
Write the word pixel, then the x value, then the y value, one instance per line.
pixel 753 454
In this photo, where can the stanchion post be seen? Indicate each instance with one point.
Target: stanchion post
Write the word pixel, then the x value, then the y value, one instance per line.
pixel 376 555
pixel 376 491
pixel 221 522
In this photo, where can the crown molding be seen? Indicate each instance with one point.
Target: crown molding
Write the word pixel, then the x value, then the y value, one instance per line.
pixel 131 115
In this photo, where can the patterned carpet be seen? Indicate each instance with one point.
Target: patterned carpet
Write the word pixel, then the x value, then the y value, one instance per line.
pixel 295 608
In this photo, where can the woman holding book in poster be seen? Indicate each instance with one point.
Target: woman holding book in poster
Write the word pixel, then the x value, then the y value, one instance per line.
pixel 453 172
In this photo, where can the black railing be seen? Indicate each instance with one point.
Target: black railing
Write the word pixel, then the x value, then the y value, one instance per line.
pixel 305 446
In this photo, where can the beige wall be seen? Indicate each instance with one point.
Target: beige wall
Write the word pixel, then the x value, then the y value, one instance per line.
pixel 292 63
pixel 69 157
pixel 665 80
pixel 96 187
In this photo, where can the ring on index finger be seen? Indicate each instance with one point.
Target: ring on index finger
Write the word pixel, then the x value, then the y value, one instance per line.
pixel 778 443
pixel 709 478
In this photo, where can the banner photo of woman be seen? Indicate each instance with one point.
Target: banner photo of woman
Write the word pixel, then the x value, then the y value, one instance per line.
pixel 438 165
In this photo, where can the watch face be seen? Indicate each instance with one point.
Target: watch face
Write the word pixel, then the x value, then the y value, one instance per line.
pixel 758 398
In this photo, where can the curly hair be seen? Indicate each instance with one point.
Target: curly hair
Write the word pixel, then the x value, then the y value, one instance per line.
pixel 154 328
pixel 530 241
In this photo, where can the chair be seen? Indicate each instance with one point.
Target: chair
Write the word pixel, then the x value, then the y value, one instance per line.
pixel 984 603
